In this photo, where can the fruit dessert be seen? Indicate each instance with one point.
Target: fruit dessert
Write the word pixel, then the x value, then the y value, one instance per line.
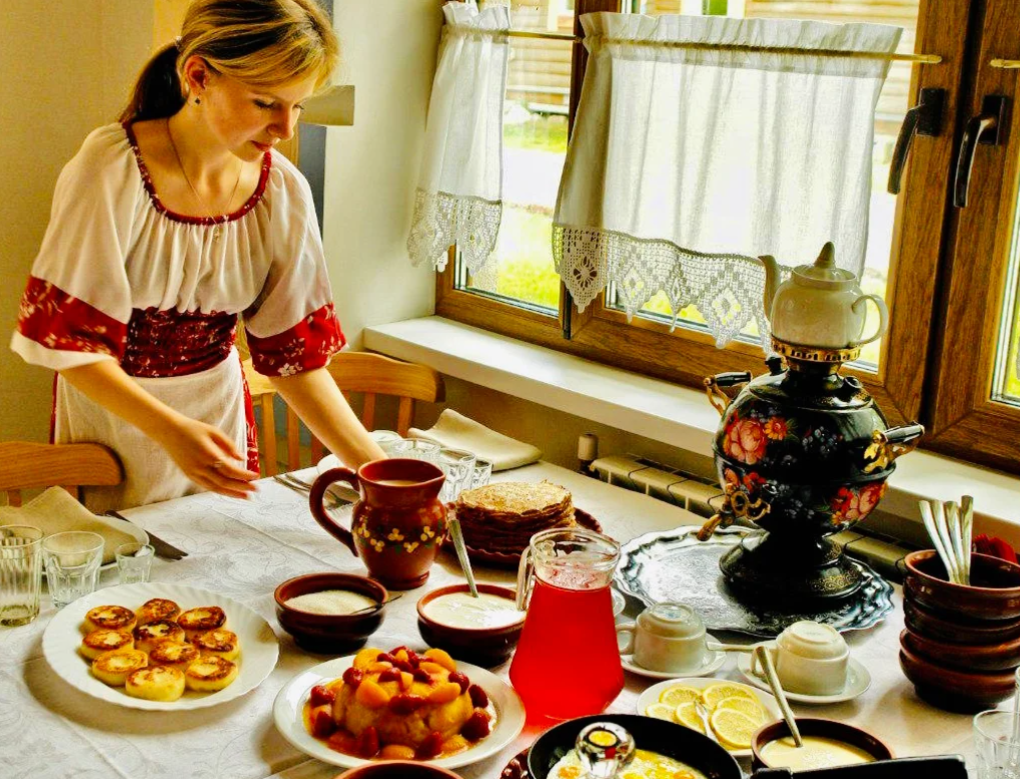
pixel 400 705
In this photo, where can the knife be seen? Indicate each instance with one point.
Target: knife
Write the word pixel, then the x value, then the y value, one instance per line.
pixel 162 548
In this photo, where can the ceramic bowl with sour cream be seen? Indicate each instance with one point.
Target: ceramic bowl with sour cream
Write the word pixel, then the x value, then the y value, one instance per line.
pixel 330 613
pixel 482 630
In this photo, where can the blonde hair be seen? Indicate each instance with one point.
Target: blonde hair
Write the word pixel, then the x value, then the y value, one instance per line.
pixel 259 42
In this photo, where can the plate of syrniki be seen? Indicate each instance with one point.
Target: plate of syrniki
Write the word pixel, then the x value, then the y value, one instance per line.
pixel 163 647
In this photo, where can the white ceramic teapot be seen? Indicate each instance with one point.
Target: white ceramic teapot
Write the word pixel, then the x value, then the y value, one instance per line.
pixel 820 305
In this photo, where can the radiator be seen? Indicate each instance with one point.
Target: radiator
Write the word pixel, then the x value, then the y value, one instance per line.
pixel 704 498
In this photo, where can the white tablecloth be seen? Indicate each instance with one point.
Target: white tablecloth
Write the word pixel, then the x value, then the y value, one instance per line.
pixel 244 549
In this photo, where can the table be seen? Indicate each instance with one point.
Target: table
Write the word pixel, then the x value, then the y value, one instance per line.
pixel 244 549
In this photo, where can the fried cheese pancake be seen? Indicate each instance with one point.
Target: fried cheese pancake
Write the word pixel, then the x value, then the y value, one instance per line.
pixel 158 608
pixel 99 641
pixel 113 668
pixel 109 618
pixel 201 619
pixel 158 683
pixel 209 674
pixel 147 636
pixel 222 643
pixel 175 654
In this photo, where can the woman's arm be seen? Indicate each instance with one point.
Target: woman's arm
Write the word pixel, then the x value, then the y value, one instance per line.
pixel 315 398
pixel 202 451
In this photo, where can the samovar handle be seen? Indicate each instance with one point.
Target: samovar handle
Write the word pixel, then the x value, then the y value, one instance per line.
pixel 713 388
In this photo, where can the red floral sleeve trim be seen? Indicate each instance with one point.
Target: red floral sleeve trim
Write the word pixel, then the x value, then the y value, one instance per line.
pixel 306 346
pixel 56 320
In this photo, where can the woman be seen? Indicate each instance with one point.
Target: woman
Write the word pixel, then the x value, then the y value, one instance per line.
pixel 168 225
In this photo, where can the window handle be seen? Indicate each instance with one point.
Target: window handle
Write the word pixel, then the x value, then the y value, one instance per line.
pixel 986 128
pixel 925 118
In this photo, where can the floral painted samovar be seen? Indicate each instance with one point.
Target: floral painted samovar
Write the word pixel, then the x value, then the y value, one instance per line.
pixel 803 452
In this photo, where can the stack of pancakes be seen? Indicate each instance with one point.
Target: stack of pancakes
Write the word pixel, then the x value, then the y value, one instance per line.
pixel 503 517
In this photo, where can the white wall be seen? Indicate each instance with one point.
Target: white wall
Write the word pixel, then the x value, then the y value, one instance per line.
pixel 389 53
pixel 66 67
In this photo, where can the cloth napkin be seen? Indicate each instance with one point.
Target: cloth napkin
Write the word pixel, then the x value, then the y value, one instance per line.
pixel 456 431
pixel 55 511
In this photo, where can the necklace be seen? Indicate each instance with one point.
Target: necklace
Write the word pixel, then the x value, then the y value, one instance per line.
pixel 212 214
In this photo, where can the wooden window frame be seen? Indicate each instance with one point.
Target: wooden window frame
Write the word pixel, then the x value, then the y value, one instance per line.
pixel 913 349
pixel 965 422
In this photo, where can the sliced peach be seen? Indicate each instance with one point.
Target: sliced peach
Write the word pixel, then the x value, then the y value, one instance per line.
pixel 401 654
pixel 433 669
pixel 396 752
pixel 455 744
pixel 442 658
pixel 376 668
pixel 444 693
pixel 372 695
pixel 406 680
pixel 366 657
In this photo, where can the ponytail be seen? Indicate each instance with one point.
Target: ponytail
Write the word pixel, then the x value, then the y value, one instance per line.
pixel 157 91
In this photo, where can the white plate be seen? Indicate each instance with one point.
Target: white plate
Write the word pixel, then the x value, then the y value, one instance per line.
pixel 288 715
pixel 259 647
pixel 858 680
pixel 651 695
pixel 713 662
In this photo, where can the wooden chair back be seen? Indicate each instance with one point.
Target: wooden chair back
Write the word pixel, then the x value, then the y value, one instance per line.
pixel 25 465
pixel 366 373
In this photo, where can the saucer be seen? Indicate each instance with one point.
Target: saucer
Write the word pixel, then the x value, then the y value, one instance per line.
pixel 713 661
pixel 858 680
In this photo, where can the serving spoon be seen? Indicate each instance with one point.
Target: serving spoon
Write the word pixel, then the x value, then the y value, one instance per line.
pixel 765 658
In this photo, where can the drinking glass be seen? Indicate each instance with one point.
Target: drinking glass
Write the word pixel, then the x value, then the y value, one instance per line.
pixel 385 436
pixel 482 474
pixel 997 751
pixel 72 564
pixel 459 467
pixel 413 448
pixel 20 574
pixel 133 562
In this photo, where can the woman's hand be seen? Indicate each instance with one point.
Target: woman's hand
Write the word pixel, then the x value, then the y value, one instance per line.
pixel 208 458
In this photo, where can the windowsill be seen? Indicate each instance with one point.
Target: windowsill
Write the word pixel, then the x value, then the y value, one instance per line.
pixel 664 412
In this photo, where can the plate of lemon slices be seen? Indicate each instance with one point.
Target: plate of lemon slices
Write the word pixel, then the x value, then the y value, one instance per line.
pixel 734 711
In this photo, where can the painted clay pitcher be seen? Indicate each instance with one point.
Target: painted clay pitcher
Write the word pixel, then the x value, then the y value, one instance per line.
pixel 820 305
pixel 398 524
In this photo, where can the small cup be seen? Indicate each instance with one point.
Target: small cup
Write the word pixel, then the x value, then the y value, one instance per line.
pixel 133 562
pixel 413 448
pixel 459 466
pixel 996 753
pixel 72 564
pixel 810 659
pixel 20 574
pixel 482 474
pixel 669 638
pixel 385 436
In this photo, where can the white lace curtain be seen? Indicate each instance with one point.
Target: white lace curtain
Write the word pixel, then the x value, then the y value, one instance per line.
pixel 686 163
pixel 459 195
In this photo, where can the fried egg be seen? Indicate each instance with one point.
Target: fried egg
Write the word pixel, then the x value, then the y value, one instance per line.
pixel 645 765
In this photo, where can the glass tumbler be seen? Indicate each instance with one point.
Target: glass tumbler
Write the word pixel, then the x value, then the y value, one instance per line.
pixel 20 574
pixel 413 448
pixel 133 562
pixel 482 474
pixel 459 467
pixel 997 750
pixel 72 564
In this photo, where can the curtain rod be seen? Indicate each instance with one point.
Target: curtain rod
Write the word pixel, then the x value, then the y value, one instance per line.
pixel 923 59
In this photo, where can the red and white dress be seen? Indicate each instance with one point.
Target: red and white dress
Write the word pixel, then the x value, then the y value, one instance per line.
pixel 120 277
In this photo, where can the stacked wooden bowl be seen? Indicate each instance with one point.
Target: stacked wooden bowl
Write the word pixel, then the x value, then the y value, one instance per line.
pixel 961 645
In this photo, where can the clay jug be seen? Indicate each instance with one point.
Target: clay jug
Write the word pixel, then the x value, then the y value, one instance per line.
pixel 398 524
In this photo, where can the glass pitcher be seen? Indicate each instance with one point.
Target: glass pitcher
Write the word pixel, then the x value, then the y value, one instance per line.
pixel 567 663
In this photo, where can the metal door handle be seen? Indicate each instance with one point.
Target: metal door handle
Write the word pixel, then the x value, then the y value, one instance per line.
pixel 925 118
pixel 985 128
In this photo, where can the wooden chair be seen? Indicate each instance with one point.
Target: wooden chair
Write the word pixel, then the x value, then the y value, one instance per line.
pixel 354 372
pixel 25 465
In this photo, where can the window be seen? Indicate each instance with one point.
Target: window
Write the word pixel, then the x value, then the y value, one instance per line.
pixel 951 276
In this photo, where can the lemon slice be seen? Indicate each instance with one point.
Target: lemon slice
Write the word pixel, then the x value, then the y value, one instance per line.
pixel 661 711
pixel 733 728
pixel 674 696
pixel 714 693
pixel 687 715
pixel 744 706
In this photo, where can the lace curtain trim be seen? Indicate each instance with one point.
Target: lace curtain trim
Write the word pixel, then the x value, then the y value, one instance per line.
pixel 728 289
pixel 442 220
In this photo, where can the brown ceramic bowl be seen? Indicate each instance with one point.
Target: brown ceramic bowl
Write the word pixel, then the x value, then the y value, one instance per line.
pixel 334 634
pixel 397 769
pixel 994 595
pixel 955 690
pixel 955 630
pixel 825 728
pixel 989 657
pixel 482 646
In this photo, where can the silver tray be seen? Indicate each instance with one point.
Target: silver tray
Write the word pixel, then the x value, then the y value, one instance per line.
pixel 675 566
